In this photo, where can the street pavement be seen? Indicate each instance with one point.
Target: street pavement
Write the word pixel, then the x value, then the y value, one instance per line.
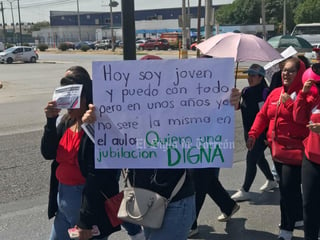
pixel 24 175
pixel 25 217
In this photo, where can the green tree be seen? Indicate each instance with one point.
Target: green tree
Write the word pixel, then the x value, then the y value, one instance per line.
pixel 240 12
pixel 307 12
pixel 249 12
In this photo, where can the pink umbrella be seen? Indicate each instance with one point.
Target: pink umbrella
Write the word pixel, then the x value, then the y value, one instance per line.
pixel 241 47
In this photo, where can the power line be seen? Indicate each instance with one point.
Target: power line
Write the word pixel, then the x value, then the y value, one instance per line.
pixel 45 3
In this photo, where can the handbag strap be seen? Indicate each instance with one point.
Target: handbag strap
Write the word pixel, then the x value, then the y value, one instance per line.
pixel 178 186
pixel 105 196
pixel 174 191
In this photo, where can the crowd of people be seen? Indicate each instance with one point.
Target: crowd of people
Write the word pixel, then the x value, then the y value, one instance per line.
pixel 284 119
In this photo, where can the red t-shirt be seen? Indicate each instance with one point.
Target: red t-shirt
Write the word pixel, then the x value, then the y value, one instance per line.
pixel 68 171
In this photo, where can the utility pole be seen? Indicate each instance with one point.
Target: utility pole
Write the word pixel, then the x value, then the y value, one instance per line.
pixel 20 30
pixel 3 24
pixel 198 26
pixel 128 30
pixel 79 26
pixel 263 17
pixel 111 5
pixel 184 50
pixel 284 29
pixel 13 26
pixel 208 18
pixel 111 27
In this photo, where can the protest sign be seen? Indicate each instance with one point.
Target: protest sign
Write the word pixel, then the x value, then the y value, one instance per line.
pixel 164 113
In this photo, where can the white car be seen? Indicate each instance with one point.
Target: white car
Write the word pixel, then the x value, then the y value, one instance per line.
pixel 18 53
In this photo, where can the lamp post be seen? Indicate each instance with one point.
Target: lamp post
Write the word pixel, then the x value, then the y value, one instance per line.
pixel 184 50
pixel 111 5
pixel 128 30
pixel 13 26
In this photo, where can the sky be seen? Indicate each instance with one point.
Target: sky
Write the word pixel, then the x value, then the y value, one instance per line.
pixel 38 10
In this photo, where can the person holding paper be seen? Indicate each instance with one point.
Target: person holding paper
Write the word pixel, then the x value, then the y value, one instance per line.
pixel 306 111
pixel 74 183
pixel 285 138
pixel 252 99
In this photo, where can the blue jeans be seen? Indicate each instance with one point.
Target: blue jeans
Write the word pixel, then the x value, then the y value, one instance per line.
pixel 177 221
pixel 69 203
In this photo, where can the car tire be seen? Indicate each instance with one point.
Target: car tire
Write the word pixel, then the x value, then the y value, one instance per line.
pixel 141 48
pixel 33 59
pixel 9 60
pixel 156 48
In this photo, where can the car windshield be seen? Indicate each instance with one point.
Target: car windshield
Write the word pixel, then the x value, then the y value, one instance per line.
pixel 9 50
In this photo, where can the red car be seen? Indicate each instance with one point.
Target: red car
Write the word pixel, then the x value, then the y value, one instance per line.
pixel 155 44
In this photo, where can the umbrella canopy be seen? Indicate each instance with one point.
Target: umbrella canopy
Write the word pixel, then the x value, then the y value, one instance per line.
pixel 284 41
pixel 240 46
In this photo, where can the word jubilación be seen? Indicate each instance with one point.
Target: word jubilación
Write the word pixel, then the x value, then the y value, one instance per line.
pixel 164 113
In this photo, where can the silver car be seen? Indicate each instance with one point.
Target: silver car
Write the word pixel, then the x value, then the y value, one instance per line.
pixel 18 53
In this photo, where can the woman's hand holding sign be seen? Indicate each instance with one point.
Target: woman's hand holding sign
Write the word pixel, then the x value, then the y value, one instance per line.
pixel 51 110
pixel 89 116
pixel 235 98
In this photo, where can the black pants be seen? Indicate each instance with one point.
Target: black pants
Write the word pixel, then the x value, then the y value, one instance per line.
pixel 311 198
pixel 206 182
pixel 256 157
pixel 290 194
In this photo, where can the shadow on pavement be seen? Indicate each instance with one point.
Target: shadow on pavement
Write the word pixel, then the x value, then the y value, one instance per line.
pixel 266 198
pixel 235 230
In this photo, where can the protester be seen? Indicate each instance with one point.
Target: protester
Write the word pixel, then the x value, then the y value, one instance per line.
pixel 180 212
pixel 306 112
pixel 252 99
pixel 74 184
pixel 276 81
pixel 206 182
pixel 276 114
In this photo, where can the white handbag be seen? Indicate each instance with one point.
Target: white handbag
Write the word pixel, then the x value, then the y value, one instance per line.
pixel 144 207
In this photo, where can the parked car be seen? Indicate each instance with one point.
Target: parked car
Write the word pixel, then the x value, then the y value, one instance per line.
pixel 103 44
pixel 83 43
pixel 155 44
pixel 117 43
pixel 1 46
pixel 120 44
pixel 70 45
pixel 139 41
pixel 19 53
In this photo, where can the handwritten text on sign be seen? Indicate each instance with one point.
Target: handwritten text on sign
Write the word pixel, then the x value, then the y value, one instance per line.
pixel 164 113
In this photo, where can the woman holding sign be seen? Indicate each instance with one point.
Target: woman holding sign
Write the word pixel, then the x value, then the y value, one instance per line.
pixel 74 184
